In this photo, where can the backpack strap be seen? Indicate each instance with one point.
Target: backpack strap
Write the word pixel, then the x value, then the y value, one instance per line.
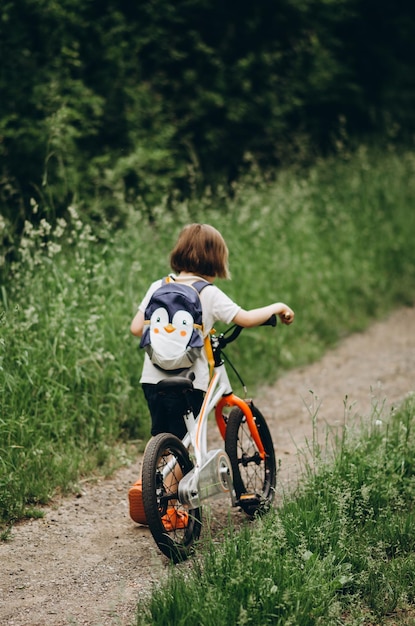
pixel 199 285
pixel 209 353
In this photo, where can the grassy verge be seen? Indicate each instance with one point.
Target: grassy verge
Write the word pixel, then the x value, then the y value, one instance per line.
pixel 338 551
pixel 336 243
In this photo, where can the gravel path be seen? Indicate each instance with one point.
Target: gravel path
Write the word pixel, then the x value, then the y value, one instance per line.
pixel 86 563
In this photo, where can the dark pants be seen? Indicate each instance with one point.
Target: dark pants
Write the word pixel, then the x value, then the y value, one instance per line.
pixel 167 409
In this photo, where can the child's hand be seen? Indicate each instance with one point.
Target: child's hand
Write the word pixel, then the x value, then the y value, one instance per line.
pixel 287 315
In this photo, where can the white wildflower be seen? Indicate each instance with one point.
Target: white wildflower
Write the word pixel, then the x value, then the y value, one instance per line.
pixel 53 248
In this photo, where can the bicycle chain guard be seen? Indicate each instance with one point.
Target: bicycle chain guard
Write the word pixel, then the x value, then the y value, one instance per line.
pixel 213 478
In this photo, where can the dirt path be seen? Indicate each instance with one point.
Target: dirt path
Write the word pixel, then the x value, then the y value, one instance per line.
pixel 86 563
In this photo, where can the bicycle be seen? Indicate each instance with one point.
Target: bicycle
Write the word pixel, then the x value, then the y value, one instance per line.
pixel 175 481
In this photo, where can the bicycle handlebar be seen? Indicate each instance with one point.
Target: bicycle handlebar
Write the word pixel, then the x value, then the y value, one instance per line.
pixel 236 330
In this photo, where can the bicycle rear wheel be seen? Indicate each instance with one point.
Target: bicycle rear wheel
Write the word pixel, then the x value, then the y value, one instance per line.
pixel 174 527
pixel 254 478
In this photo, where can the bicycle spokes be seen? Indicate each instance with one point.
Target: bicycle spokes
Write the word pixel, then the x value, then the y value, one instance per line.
pixel 254 475
pixel 174 527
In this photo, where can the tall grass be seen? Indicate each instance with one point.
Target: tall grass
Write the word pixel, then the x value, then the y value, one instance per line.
pixel 338 551
pixel 335 242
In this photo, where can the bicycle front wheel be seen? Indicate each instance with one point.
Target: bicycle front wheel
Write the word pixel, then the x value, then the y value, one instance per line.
pixel 174 527
pixel 254 478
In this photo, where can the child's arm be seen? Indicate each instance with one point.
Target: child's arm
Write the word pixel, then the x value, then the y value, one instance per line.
pixel 137 324
pixel 256 317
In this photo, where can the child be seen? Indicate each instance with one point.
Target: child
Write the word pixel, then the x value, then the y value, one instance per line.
pixel 200 252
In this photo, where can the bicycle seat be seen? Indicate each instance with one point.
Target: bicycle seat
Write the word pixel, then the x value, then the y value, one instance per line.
pixel 175 383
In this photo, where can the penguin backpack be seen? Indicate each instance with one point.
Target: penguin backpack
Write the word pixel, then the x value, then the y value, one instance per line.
pixel 173 326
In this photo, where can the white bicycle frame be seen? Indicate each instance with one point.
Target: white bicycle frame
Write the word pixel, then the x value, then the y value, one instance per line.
pixel 212 472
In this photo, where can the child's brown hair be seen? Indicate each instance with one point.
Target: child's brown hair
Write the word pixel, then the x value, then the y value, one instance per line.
pixel 200 249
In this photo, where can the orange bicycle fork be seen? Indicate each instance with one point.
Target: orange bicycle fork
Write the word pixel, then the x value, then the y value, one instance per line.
pixel 231 400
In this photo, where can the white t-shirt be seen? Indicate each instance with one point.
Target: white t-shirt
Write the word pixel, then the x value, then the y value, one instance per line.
pixel 216 307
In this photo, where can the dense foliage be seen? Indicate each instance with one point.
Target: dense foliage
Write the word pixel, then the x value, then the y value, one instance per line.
pixel 119 100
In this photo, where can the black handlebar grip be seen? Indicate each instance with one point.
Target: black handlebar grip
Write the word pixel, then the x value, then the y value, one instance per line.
pixel 272 321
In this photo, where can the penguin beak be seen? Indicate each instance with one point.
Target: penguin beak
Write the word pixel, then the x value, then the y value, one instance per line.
pixel 169 328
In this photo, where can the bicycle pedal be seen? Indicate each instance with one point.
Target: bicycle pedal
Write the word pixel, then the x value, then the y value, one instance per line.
pixel 247 499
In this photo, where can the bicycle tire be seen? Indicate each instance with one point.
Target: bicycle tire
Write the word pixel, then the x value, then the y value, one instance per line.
pixel 254 479
pixel 160 503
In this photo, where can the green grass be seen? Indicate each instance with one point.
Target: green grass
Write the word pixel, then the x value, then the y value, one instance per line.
pixel 340 550
pixel 336 243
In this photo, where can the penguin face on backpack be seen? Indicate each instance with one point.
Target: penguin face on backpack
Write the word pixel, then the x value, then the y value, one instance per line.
pixel 173 336
pixel 172 333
